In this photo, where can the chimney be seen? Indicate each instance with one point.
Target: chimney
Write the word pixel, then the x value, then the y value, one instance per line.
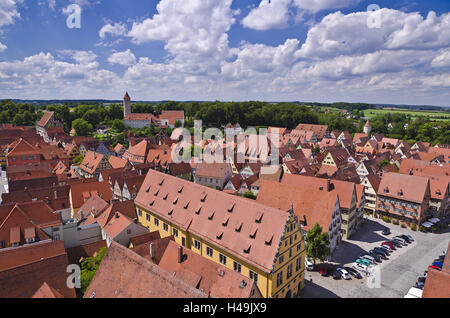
pixel 152 251
pixel 328 185
pixel 180 254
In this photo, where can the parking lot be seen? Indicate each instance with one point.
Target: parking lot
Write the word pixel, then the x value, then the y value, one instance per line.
pixel 397 274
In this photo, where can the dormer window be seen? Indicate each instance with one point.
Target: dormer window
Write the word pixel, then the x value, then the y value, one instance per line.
pixel 148 189
pixel 259 217
pixel 400 193
pixel 161 182
pixel 269 239
pixel 239 228
pixel 225 221
pixel 197 211
pixel 386 190
pixel 175 201
pixel 180 189
pixel 230 209
pixel 211 216
pixel 203 197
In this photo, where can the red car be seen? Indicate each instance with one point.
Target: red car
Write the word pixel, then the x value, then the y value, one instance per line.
pixel 389 244
pixel 323 271
pixel 434 267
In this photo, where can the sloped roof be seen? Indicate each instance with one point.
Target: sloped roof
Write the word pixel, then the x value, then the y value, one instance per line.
pixel 412 188
pixel 91 161
pixel 45 291
pixel 125 274
pixel 312 205
pixel 117 162
pixel 45 118
pixel 84 190
pixel 343 188
pixel 203 211
pixel 25 269
pixel 319 130
pixel 214 279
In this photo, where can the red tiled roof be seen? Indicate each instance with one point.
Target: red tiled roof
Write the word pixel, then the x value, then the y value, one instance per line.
pixel 343 188
pixel 172 115
pixel 117 162
pixel 125 274
pixel 411 188
pixel 24 269
pixel 312 205
pixel 45 291
pixel 213 279
pixel 158 246
pixel 144 238
pixel 202 210
pixel 319 130
pixel 84 190
pixel 45 118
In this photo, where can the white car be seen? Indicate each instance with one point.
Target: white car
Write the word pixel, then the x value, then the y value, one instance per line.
pixel 344 274
pixel 359 267
pixel 309 264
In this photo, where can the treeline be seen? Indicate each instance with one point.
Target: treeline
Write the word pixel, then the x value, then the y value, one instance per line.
pixel 413 130
pixel 18 114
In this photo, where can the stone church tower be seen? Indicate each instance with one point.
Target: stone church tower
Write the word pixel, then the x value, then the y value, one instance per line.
pixel 126 105
pixel 367 128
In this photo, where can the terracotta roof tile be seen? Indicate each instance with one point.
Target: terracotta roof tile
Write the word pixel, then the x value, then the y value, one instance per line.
pixel 202 225
pixel 125 274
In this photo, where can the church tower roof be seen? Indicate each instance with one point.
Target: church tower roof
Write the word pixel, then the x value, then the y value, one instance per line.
pixel 126 96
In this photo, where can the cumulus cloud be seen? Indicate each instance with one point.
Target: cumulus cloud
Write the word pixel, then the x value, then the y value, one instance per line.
pixel 193 30
pixel 442 60
pixel 276 14
pixel 8 11
pixel 44 74
pixel 351 34
pixel 116 29
pixel 272 14
pixel 125 58
pixel 2 47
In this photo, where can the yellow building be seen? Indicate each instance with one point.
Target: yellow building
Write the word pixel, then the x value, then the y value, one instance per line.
pixel 260 242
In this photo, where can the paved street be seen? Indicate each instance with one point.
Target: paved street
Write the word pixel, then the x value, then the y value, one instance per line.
pixel 397 274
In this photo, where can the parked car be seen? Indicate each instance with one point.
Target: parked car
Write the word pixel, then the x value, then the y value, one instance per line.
pixel 376 256
pixel 386 247
pixel 438 264
pixel 386 231
pixel 379 253
pixel 382 250
pixel 419 285
pixel 425 273
pixel 362 261
pixel 353 272
pixel 396 243
pixel 309 264
pixel 422 279
pixel 344 274
pixel 400 239
pixel 406 238
pixel 389 244
pixel 410 237
pixel 323 271
pixel 360 267
pixel 369 258
pixel 434 267
pixel 336 275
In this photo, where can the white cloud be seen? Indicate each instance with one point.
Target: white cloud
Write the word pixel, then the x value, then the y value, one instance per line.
pixel 2 47
pixel 270 14
pixel 125 58
pixel 276 14
pixel 8 11
pixel 195 31
pixel 351 34
pixel 442 60
pixel 116 29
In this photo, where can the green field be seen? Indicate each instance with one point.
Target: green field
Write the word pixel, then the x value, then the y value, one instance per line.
pixel 434 115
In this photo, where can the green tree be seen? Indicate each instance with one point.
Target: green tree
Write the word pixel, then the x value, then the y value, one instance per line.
pixel 118 125
pixel 82 127
pixel 384 163
pixel 249 195
pixel 317 244
pixel 92 117
pixel 89 267
pixel 78 160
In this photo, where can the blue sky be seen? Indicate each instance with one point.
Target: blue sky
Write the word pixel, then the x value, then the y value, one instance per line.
pixel 278 50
